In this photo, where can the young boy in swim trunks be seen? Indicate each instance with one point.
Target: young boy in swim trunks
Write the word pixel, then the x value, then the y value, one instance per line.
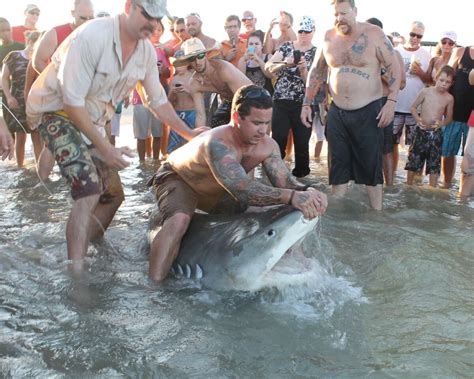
pixel 432 109
pixel 182 102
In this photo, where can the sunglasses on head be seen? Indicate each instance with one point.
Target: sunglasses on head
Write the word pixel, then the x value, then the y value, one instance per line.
pixel 146 15
pixel 86 18
pixel 199 56
pixel 413 35
pixel 304 32
pixel 34 13
pixel 447 42
pixel 256 93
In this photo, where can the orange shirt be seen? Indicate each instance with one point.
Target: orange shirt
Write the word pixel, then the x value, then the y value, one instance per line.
pixel 241 49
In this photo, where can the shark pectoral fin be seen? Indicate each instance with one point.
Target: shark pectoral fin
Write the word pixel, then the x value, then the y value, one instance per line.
pixel 187 269
pixel 198 272
pixel 179 269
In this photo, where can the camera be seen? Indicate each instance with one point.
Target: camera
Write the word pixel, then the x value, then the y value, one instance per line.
pixel 296 56
pixel 251 49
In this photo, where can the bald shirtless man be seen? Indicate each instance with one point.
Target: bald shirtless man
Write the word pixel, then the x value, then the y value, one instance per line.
pixel 354 52
pixel 211 75
pixel 198 174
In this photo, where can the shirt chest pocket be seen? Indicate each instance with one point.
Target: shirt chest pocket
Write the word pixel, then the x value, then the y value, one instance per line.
pixel 105 79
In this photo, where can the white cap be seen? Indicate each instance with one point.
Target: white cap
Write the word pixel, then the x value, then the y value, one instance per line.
pixel 450 35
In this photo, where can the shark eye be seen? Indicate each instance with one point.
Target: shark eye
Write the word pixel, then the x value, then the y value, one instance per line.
pixel 271 233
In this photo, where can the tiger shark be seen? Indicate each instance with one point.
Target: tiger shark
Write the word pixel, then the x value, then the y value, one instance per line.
pixel 239 251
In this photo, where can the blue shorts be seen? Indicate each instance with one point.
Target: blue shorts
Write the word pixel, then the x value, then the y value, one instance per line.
pixel 175 140
pixel 452 135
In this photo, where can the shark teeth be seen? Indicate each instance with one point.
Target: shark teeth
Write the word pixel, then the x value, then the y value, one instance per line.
pixel 199 273
pixel 187 271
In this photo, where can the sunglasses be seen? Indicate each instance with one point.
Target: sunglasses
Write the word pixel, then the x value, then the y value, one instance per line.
pixel 256 93
pixel 304 32
pixel 447 42
pixel 34 13
pixel 146 15
pixel 247 19
pixel 413 35
pixel 199 56
pixel 87 18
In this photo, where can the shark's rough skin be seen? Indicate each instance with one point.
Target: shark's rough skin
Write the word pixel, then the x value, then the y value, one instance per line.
pixel 238 251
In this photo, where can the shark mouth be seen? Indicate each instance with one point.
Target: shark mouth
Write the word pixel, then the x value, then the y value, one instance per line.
pixel 292 268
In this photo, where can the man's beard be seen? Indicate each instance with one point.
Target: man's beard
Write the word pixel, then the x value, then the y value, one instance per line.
pixel 339 25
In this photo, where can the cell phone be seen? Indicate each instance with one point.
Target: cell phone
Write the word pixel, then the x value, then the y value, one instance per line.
pixel 251 50
pixel 296 56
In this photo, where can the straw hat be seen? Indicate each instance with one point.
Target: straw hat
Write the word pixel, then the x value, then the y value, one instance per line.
pixel 191 48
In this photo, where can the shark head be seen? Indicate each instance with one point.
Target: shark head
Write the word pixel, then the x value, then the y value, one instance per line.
pixel 240 251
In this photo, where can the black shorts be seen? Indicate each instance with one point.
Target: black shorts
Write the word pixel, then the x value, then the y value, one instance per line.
pixel 355 144
pixel 426 148
pixel 387 146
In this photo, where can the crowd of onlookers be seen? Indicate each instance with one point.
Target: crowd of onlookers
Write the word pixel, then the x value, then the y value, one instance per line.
pixel 432 109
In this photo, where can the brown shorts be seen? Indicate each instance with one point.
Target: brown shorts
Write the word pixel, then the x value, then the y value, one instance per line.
pixel 173 194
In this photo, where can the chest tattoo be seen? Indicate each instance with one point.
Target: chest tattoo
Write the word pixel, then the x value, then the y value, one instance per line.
pixel 360 45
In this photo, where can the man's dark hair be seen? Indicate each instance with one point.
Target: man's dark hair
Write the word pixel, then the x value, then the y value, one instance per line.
pixel 258 34
pixel 251 96
pixel 375 21
pixel 351 2
pixel 233 17
pixel 448 70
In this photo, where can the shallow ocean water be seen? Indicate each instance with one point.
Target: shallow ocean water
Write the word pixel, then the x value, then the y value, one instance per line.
pixel 390 294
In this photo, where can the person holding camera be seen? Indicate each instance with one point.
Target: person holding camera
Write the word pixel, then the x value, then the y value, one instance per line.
pixel 252 64
pixel 290 64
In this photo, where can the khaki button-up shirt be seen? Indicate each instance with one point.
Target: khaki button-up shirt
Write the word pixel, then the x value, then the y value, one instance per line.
pixel 87 71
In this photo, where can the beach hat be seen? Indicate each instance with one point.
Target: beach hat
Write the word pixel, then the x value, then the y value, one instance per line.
pixel 306 24
pixel 155 8
pixel 190 48
pixel 31 7
pixel 450 35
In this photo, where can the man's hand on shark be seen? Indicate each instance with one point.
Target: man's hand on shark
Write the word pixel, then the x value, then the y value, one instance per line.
pixel 311 202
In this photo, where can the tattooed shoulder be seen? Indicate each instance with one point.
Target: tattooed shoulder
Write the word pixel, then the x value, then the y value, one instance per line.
pixel 218 149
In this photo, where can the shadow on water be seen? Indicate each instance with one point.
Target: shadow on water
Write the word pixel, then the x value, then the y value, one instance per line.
pixel 387 294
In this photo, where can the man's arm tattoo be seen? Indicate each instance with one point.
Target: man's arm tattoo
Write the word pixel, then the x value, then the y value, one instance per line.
pixel 232 176
pixel 278 173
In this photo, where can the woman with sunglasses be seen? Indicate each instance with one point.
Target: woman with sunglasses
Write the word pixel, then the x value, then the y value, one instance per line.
pixel 445 47
pixel 290 64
